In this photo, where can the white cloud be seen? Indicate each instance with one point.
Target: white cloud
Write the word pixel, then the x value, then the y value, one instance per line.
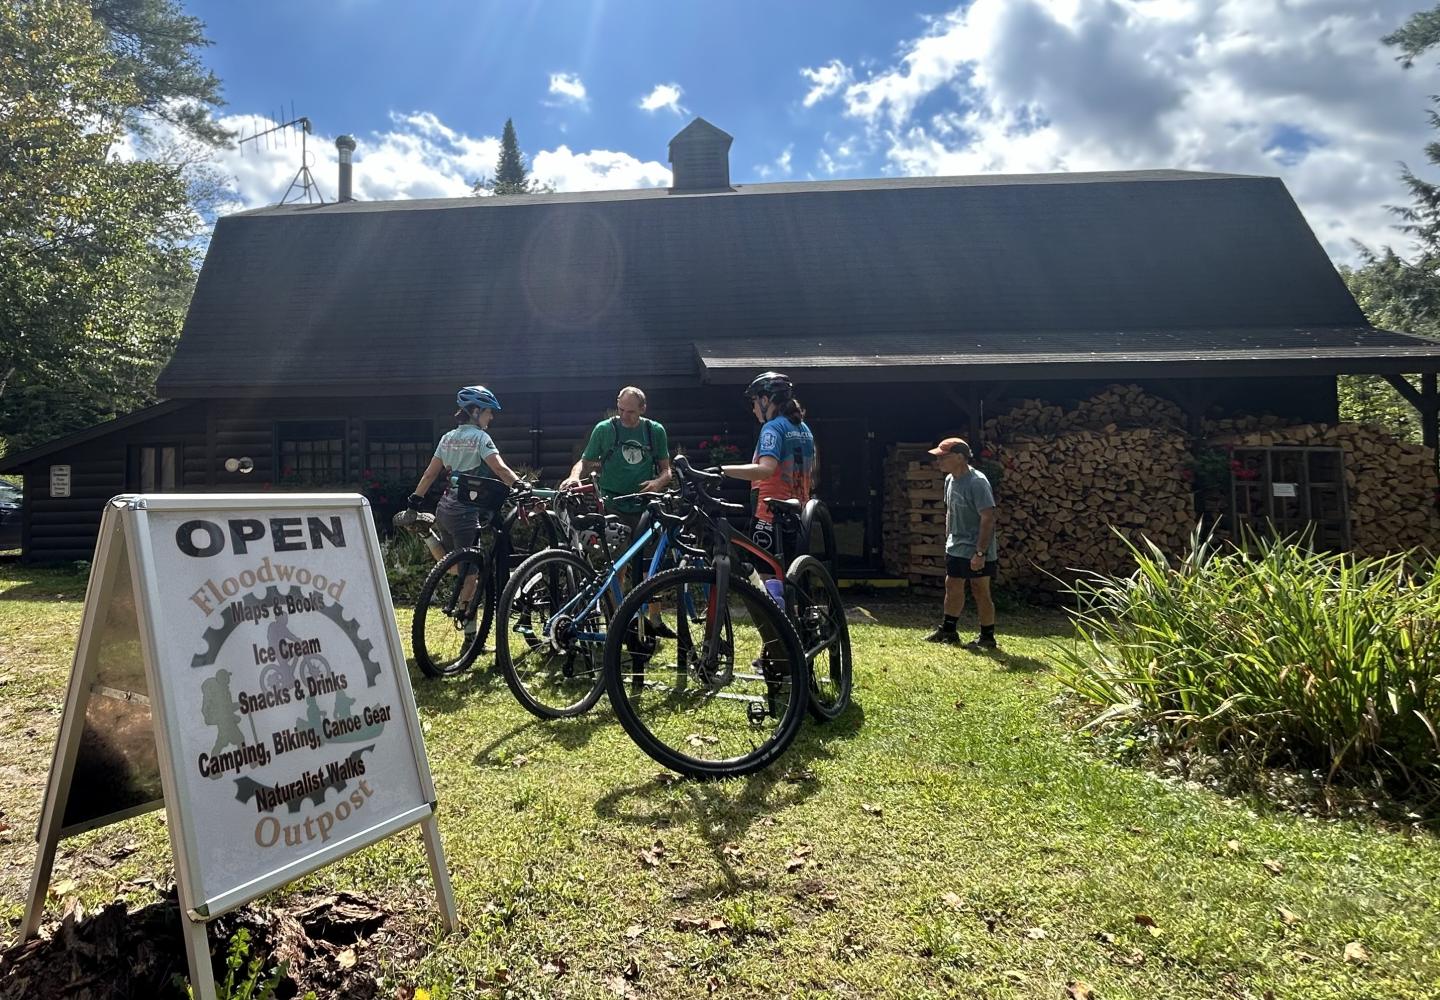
pixel 665 95
pixel 781 167
pixel 597 170
pixel 569 88
pixel 1302 90
pixel 417 156
pixel 825 81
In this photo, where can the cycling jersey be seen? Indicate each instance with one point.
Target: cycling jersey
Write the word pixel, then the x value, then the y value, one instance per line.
pixel 465 449
pixel 793 448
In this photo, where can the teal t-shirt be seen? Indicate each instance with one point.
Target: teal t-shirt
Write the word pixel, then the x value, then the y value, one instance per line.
pixel 465 449
pixel 635 461
pixel 965 498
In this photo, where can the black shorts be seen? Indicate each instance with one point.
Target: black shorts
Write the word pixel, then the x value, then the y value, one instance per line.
pixel 780 541
pixel 959 567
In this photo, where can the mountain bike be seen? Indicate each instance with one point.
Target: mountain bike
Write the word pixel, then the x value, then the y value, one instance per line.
pixel 556 608
pixel 453 615
pixel 728 694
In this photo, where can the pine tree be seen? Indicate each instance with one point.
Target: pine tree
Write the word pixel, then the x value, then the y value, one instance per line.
pixel 512 173
pixel 510 170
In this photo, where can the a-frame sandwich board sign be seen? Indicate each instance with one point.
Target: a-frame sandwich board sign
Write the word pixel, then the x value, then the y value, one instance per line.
pixel 238 665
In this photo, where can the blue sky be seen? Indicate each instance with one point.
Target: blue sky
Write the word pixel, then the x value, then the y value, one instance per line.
pixel 1301 89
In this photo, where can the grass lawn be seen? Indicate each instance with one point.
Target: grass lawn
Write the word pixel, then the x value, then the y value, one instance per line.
pixel 944 838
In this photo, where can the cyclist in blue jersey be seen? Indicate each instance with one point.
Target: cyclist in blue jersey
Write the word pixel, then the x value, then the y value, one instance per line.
pixel 783 466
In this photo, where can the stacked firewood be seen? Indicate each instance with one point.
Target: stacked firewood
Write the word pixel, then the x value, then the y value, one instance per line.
pixel 1391 484
pixel 1063 481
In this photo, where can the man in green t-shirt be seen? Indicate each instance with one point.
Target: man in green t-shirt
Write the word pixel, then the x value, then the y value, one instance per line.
pixel 631 452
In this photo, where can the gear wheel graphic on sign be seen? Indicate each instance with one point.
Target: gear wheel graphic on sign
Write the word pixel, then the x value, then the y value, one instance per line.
pixel 216 635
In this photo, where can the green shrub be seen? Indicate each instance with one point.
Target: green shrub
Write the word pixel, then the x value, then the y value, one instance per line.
pixel 1283 655
pixel 407 562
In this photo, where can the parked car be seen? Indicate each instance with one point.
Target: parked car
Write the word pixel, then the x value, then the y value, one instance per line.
pixel 11 504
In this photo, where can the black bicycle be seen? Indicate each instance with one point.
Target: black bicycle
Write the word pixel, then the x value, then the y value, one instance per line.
pixel 456 607
pixel 727 695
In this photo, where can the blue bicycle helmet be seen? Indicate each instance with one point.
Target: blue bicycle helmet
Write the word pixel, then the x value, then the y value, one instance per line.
pixel 476 395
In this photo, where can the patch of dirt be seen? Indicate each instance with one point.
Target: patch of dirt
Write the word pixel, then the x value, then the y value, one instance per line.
pixel 331 944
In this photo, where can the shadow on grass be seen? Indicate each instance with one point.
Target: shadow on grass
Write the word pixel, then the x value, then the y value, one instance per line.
pixel 722 812
pixel 49 590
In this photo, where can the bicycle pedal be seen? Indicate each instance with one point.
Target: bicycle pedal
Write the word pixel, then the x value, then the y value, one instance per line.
pixel 756 713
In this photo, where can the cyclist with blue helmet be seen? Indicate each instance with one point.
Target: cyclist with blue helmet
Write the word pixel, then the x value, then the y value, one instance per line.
pixel 466 451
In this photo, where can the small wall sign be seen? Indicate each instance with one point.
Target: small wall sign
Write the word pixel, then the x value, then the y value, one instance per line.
pixel 59 481
pixel 1282 489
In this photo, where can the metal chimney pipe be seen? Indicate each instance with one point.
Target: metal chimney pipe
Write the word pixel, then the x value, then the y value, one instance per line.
pixel 346 145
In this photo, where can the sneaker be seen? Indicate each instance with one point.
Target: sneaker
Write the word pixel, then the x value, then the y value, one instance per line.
pixel 944 636
pixel 981 643
pixel 659 629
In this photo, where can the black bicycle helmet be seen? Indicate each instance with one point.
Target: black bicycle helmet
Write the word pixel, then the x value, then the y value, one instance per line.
pixel 773 384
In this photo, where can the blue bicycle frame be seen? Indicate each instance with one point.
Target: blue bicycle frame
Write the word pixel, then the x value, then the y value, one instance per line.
pixel 612 578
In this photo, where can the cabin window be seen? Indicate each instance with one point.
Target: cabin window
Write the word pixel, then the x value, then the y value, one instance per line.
pixel 154 468
pixel 311 452
pixel 1289 490
pixel 398 449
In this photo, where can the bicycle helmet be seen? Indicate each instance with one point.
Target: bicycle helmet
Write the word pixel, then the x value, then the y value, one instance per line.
pixel 773 384
pixel 476 395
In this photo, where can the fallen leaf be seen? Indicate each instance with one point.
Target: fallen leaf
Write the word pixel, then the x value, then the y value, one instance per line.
pixel 953 901
pixel 666 778
pixel 346 959
pixel 733 851
pixel 519 760
pixel 829 900
pixel 688 924
pixel 960 705
pixel 651 856
pixel 701 739
pixel 1138 831
pixel 803 850
pixel 1273 867
pixel 1036 934
pixel 1133 960
pixel 1289 917
pixel 713 983
pixel 716 926
pixel 63 887
pixel 1355 952
pixel 794 864
pixel 1104 937
pixel 1079 990
pixel 632 969
pixel 557 967
pixel 1234 846
pixel 873 809
pixel 1148 922
pixel 619 986
pixel 634 931
pixel 795 777
pixel 768 821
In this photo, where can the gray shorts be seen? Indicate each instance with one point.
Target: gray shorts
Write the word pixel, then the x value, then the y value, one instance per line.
pixel 460 521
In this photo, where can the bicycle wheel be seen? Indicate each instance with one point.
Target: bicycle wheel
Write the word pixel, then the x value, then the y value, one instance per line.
pixel 552 661
pixel 817 536
pixel 437 632
pixel 706 713
pixel 819 615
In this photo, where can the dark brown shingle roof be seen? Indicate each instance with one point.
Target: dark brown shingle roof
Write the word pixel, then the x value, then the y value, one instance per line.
pixel 410 296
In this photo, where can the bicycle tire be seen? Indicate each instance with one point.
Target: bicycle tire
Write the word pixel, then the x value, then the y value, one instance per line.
pixel 436 633
pixel 781 664
pixel 540 585
pixel 819 614
pixel 817 515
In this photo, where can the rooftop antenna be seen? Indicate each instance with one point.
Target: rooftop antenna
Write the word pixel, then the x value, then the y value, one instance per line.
pixel 276 136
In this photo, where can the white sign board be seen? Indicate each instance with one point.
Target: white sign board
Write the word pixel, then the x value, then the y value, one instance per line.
pixel 283 719
pixel 1282 489
pixel 59 481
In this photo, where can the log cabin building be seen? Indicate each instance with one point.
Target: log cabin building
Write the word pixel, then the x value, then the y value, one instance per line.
pixel 325 342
